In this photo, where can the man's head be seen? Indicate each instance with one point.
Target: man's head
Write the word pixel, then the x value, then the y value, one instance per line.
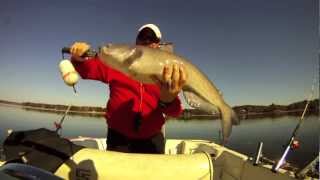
pixel 149 35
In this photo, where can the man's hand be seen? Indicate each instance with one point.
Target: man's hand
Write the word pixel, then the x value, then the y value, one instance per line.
pixel 173 79
pixel 79 48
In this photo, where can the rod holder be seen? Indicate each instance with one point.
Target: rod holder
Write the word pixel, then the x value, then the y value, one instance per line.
pixel 258 154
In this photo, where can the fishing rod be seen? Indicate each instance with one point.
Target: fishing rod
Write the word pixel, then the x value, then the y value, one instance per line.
pixel 59 125
pixel 293 143
pixel 89 53
pixel 70 77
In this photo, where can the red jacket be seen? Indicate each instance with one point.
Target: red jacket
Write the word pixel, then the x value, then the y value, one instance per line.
pixel 128 98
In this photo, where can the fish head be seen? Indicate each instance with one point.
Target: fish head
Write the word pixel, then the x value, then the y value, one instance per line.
pixel 119 56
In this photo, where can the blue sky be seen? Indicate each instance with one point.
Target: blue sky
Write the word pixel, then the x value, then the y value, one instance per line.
pixel 255 51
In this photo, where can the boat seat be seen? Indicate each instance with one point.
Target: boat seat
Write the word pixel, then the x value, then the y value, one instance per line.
pixel 231 167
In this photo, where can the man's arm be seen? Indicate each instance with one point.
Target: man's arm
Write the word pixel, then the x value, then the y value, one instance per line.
pixel 88 68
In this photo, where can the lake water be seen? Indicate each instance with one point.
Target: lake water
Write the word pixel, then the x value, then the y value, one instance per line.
pixel 273 132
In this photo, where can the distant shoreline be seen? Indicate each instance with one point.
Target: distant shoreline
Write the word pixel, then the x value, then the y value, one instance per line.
pixel 260 111
pixel 58 109
pixel 244 111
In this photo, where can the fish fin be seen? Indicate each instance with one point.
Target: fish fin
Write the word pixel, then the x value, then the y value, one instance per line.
pixel 133 55
pixel 197 102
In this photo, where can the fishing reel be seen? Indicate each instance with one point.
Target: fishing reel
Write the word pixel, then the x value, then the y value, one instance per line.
pixel 295 144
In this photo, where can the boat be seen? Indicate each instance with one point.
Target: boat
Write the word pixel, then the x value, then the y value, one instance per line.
pixel 183 159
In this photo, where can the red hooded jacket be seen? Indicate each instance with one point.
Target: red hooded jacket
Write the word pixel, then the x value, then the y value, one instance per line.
pixel 127 99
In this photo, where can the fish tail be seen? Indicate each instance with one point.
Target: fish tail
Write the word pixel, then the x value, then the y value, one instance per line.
pixel 226 124
pixel 234 118
pixel 229 118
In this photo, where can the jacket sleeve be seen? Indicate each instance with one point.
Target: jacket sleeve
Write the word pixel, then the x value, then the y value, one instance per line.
pixel 174 109
pixel 93 69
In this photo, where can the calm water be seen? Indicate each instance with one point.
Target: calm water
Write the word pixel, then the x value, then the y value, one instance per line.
pixel 245 138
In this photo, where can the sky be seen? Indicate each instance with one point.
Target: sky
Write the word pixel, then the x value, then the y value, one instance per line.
pixel 255 51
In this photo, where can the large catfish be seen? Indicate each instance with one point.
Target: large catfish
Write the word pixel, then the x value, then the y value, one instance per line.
pixel 142 63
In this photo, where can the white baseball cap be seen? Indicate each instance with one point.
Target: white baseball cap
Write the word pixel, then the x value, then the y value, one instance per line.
pixel 153 27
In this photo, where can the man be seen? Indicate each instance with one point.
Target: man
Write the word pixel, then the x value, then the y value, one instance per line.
pixel 135 111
